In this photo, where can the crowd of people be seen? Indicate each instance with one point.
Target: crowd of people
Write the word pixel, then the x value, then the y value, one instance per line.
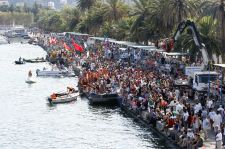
pixel 147 89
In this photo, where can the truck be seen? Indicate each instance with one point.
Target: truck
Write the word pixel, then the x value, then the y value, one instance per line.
pixel 198 79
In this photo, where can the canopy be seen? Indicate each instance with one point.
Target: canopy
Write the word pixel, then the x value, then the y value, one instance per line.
pixel 123 49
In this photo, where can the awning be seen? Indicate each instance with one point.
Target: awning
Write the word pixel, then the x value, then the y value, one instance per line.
pixel 175 54
pixel 220 65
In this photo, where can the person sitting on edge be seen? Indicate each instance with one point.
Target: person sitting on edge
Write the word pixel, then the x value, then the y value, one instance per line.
pixel 30 74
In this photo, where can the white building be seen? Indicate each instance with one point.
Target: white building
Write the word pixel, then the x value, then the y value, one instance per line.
pixel 51 5
pixel 63 2
pixel 20 4
pixel 4 2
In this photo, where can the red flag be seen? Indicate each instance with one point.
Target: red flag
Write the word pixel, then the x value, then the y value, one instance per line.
pixel 67 47
pixel 52 40
pixel 77 46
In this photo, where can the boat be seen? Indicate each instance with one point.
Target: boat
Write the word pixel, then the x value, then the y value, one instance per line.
pixel 106 99
pixel 30 81
pixel 55 73
pixel 3 40
pixel 64 97
pixel 37 60
pixel 19 62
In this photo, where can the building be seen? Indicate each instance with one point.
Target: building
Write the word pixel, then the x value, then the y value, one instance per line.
pixel 51 5
pixel 4 3
pixel 20 4
pixel 63 2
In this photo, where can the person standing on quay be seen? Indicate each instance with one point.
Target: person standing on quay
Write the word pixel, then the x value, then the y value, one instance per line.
pixel 218 139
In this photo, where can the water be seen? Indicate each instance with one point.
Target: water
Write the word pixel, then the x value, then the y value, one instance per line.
pixel 27 122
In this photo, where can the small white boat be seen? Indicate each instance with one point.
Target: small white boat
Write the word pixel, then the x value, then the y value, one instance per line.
pixel 30 81
pixel 3 40
pixel 55 73
pixel 62 98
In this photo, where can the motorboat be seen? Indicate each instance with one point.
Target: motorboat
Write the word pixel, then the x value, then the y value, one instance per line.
pixel 55 73
pixel 19 62
pixel 64 97
pixel 108 99
pixel 36 60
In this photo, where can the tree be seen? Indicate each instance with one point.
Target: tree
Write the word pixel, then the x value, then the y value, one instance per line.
pixel 91 22
pixel 11 8
pixel 141 13
pixel 85 4
pixel 115 10
pixel 216 9
pixel 4 8
pixel 70 17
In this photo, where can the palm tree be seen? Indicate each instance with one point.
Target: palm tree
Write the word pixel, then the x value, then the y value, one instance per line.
pixel 71 17
pixel 217 10
pixel 115 10
pixel 93 20
pixel 141 13
pixel 85 4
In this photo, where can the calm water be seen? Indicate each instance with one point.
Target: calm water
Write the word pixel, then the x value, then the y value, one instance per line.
pixel 27 122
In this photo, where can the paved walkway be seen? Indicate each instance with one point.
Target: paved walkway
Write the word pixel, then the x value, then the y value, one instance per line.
pixel 210 142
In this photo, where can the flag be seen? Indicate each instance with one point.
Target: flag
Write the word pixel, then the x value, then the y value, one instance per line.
pixel 77 46
pixel 52 40
pixel 67 47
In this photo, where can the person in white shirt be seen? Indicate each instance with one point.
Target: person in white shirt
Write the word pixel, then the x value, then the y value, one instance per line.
pixel 209 103
pixel 179 108
pixel 185 117
pixel 177 93
pixel 211 115
pixel 217 119
pixel 190 134
pixel 219 139
pixel 198 107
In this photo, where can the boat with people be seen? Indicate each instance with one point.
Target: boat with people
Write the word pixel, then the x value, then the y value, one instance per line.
pixel 64 97
pixel 36 60
pixel 106 99
pixel 20 61
pixel 55 72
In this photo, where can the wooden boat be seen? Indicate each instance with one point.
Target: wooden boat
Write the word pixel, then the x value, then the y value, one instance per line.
pixel 63 98
pixel 19 62
pixel 108 99
pixel 37 60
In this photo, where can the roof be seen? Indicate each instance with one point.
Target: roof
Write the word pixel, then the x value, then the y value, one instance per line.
pixel 175 54
pixel 206 72
pixel 126 43
pixel 123 49
pixel 150 48
pixel 220 65
pixel 78 34
pixel 102 39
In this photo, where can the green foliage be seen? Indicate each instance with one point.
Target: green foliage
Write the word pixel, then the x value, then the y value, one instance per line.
pixel 143 21
pixel 7 18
